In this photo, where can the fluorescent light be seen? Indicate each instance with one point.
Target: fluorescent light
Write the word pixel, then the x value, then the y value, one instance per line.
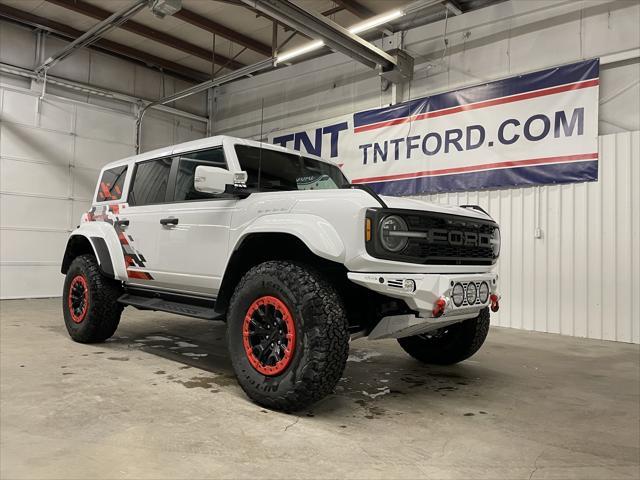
pixel 309 47
pixel 356 29
pixel 376 21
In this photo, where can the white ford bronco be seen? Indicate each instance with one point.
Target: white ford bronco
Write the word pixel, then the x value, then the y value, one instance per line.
pixel 292 256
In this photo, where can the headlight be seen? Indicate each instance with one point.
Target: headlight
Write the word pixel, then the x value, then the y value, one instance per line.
pixel 391 236
pixel 472 293
pixel 483 292
pixel 457 294
pixel 495 242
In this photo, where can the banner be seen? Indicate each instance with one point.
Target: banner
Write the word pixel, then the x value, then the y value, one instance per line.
pixel 538 128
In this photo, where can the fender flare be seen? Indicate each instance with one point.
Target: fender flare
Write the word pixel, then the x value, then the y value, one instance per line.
pixel 106 247
pixel 314 231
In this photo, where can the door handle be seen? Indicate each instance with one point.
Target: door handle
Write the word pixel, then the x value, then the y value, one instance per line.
pixel 122 223
pixel 169 221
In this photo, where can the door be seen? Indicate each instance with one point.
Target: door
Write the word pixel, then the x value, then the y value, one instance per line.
pixel 193 251
pixel 140 220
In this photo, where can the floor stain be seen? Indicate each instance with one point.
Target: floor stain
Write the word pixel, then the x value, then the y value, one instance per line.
pixel 469 414
pixel 160 372
pixel 371 411
pixel 119 359
pixel 208 383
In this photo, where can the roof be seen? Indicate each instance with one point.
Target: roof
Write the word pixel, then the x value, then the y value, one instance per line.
pixel 201 144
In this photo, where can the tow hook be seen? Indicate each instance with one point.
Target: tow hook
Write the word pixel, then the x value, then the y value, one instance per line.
pixel 439 306
pixel 495 302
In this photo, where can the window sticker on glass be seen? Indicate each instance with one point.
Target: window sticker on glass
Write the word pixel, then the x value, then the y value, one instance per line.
pixel 315 182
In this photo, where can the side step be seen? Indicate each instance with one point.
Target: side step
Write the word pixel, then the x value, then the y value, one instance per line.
pixel 160 304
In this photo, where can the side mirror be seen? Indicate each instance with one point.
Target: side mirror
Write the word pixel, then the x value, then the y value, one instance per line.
pixel 215 179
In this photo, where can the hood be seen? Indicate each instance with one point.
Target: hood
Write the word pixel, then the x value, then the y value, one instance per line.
pixel 311 200
pixel 415 204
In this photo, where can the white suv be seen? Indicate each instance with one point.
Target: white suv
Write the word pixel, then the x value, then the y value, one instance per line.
pixel 297 260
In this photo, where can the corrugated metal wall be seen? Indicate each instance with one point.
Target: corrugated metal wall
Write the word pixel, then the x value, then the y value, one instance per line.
pixel 581 276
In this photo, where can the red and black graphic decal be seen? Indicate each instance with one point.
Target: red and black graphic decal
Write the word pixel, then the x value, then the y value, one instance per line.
pixel 107 192
pixel 132 257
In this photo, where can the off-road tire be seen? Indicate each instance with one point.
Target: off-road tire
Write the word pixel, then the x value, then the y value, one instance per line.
pixel 103 311
pixel 451 344
pixel 321 335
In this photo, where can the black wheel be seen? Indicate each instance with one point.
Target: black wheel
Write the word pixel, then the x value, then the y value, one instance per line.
pixel 287 335
pixel 449 345
pixel 89 302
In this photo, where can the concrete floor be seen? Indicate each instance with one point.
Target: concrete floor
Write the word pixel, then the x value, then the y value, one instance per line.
pixel 159 401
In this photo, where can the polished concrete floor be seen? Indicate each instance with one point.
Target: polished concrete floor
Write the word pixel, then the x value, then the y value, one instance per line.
pixel 159 401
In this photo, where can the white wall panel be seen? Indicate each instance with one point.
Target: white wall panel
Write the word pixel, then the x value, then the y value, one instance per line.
pixel 34 213
pixel 30 281
pixel 34 178
pixel 582 277
pixel 50 158
pixel 26 247
pixel 49 161
pixel 105 125
pixel 84 182
pixel 93 153
pixel 30 143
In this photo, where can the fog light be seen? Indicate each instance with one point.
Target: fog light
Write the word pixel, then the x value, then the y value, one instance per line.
pixel 457 294
pixel 409 285
pixel 472 293
pixel 495 303
pixel 484 292
pixel 439 306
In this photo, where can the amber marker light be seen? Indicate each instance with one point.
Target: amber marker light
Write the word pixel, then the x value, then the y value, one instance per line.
pixel 367 229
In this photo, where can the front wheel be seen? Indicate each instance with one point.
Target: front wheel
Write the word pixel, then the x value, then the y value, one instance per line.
pixel 287 335
pixel 451 344
pixel 90 302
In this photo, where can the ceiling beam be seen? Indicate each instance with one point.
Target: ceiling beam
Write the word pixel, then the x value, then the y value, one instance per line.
pixel 66 31
pixel 333 35
pixel 225 32
pixel 92 35
pixel 356 8
pixel 98 13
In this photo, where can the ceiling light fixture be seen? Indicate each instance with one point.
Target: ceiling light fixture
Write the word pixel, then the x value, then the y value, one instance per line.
pixel 355 29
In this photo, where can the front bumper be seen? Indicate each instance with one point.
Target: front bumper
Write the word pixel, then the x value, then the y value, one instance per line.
pixel 428 289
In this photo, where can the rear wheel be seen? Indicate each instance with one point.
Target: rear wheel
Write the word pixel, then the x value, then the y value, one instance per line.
pixel 287 335
pixel 90 302
pixel 451 344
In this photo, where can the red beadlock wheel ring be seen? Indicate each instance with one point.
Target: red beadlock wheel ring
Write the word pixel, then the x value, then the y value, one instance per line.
pixel 78 298
pixel 269 335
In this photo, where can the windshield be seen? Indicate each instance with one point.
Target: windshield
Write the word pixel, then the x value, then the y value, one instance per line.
pixel 287 171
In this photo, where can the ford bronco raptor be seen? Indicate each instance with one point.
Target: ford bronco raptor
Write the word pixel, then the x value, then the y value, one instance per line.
pixel 289 253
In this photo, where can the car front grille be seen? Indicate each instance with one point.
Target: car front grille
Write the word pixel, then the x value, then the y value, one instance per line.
pixel 450 239
pixel 438 238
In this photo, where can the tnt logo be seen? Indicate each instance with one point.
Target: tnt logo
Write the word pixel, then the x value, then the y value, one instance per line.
pixel 319 135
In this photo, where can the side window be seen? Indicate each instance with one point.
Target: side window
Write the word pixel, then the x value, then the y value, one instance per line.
pixel 111 184
pixel 184 191
pixel 150 181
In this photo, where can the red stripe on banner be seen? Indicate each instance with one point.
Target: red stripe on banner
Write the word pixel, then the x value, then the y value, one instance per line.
pixel 486 103
pixel 474 168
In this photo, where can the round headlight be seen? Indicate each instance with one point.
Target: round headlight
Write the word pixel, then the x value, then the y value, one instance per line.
pixel 483 292
pixel 495 242
pixel 472 293
pixel 391 236
pixel 457 294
